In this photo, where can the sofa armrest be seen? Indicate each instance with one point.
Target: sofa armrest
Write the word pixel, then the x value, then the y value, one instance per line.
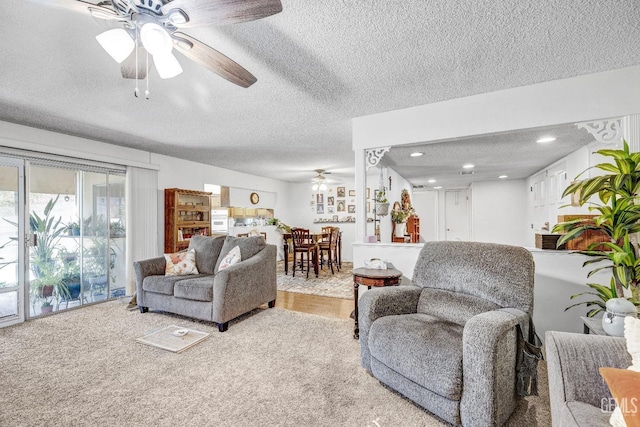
pixel 573 361
pixel 379 302
pixel 245 285
pixel 489 349
pixel 144 268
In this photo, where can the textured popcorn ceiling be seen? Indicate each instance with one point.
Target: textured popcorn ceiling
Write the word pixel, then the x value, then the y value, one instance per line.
pixel 318 63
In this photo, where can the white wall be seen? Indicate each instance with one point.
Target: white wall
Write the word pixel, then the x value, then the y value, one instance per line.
pixel 426 204
pixel 398 183
pixel 499 212
pixel 595 96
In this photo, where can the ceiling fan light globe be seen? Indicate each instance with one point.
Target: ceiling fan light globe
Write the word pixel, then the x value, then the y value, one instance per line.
pixel 155 39
pixel 117 43
pixel 314 187
pixel 323 187
pixel 167 65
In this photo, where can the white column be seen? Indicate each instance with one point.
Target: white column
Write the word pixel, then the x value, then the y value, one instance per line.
pixel 631 131
pixel 361 201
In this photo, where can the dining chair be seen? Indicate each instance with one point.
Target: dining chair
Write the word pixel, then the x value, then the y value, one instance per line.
pixel 330 246
pixel 302 244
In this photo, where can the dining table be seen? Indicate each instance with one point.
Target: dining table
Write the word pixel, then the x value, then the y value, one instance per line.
pixel 315 236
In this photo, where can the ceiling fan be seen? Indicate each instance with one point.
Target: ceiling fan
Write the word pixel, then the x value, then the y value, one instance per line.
pixel 154 27
pixel 318 180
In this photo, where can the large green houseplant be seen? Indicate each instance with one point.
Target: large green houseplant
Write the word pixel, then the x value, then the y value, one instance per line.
pixel 618 217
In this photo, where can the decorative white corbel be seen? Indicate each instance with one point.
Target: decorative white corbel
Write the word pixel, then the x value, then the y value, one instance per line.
pixel 375 155
pixel 607 131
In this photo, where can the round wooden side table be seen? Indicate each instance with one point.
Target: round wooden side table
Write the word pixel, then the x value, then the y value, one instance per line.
pixel 371 277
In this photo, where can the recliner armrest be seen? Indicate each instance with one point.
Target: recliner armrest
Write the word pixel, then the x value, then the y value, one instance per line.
pixel 489 345
pixel 380 302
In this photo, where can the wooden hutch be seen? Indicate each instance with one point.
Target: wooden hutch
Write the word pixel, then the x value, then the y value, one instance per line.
pixel 186 213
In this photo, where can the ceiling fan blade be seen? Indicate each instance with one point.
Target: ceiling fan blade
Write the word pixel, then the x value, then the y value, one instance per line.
pixel 213 60
pixel 221 12
pixel 77 6
pixel 128 68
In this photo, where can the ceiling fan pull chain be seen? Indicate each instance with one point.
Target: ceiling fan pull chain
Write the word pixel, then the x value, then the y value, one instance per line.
pixel 146 92
pixel 136 92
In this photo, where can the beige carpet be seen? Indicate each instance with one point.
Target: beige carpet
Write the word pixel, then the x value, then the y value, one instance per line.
pixel 337 285
pixel 272 367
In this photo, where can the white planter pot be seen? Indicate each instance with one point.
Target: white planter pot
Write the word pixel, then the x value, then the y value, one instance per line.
pixel 401 228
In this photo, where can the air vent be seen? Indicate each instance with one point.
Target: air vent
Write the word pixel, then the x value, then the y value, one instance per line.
pixel 419 186
pixel 466 172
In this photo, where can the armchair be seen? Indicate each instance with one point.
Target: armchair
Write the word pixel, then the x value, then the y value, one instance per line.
pixel 445 342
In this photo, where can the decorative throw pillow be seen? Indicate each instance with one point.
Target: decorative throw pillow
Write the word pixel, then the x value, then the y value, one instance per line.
pixel 632 337
pixel 181 263
pixel 249 246
pixel 624 385
pixel 233 257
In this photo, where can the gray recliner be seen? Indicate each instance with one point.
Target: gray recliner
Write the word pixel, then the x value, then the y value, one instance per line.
pixel 445 342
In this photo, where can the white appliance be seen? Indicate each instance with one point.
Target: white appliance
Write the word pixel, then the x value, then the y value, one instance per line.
pixel 220 221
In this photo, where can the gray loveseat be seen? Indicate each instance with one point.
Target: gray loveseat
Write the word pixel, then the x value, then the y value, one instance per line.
pixel 216 297
pixel 576 389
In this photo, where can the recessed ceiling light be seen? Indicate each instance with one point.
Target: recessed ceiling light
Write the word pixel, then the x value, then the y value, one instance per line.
pixel 438 187
pixel 416 154
pixel 431 181
pixel 468 166
pixel 546 140
pixel 503 176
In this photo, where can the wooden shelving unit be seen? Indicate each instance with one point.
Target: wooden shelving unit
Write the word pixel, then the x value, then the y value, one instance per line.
pixel 413 228
pixel 186 213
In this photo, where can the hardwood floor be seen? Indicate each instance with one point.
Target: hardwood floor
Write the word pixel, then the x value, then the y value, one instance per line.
pixel 315 304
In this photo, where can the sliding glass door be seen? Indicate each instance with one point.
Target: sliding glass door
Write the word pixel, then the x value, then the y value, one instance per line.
pixel 12 235
pixel 62 236
pixel 78 217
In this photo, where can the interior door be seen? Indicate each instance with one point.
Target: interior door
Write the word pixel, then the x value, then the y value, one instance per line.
pixel 12 241
pixel 456 212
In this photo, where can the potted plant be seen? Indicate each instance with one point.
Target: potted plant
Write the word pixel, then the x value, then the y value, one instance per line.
pixel 70 275
pixel 382 205
pixel 46 287
pixel 116 229
pixel 399 217
pixel 73 229
pixel 618 218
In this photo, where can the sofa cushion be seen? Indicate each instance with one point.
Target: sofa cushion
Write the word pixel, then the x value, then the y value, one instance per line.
pixel 452 306
pixel 197 288
pixel 422 348
pixel 161 284
pixel 249 246
pixel 181 263
pixel 207 252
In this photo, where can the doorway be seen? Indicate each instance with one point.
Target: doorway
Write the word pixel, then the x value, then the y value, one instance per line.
pixel 456 215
